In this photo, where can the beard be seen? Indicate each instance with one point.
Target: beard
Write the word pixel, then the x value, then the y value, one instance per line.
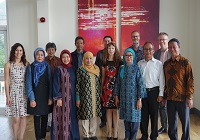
pixel 135 43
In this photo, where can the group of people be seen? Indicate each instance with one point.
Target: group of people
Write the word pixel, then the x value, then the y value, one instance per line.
pixel 59 91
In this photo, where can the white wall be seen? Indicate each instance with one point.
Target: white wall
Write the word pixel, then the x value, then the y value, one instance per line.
pixel 63 23
pixel 178 18
pixel 22 24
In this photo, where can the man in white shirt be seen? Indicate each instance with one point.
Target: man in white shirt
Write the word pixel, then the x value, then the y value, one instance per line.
pixel 152 71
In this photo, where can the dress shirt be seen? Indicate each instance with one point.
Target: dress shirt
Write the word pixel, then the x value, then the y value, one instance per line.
pixel 179 79
pixel 80 57
pixel 152 72
pixel 163 56
pixel 54 62
pixel 139 53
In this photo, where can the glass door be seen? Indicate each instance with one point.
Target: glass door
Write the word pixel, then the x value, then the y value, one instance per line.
pixel 3 56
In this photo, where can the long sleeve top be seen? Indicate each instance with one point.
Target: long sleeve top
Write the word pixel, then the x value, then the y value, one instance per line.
pixel 152 72
pixel 179 79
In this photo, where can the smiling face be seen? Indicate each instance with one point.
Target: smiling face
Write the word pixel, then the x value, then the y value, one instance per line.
pixel 111 50
pixel 163 41
pixel 129 58
pixel 148 51
pixel 51 52
pixel 79 45
pixel 174 49
pixel 65 58
pixel 39 56
pixel 88 61
pixel 18 52
pixel 135 36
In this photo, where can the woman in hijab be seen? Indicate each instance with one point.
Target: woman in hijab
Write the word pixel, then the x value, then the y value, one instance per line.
pixel 88 96
pixel 65 122
pixel 39 92
pixel 129 91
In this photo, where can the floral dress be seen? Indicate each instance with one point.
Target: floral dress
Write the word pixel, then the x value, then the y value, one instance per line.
pixel 111 72
pixel 18 97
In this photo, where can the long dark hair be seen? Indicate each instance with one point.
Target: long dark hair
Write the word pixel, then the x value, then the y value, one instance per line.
pixel 12 53
pixel 117 57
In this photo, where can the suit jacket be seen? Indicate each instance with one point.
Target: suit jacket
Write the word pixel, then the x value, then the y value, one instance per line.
pixel 75 58
pixel 158 53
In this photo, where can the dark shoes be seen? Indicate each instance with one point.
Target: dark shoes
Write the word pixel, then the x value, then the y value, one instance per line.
pixel 110 138
pixel 102 124
pixel 162 130
pixel 143 138
pixel 94 138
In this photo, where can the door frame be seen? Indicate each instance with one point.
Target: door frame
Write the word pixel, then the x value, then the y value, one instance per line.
pixel 3 30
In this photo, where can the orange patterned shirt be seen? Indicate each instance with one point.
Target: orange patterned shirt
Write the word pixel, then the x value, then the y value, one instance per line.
pixel 179 81
pixel 54 62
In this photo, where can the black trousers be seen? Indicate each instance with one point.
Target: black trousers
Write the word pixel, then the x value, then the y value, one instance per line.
pixel 175 109
pixel 103 110
pixel 163 115
pixel 150 109
pixel 40 125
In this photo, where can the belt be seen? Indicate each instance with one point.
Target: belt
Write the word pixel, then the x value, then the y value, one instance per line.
pixel 152 89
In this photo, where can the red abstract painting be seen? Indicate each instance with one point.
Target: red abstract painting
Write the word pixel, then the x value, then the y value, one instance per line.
pixel 96 19
pixel 140 15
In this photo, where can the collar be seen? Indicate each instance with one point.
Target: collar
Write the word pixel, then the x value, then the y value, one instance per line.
pixel 48 58
pixel 164 50
pixel 153 59
pixel 80 53
pixel 177 58
pixel 140 48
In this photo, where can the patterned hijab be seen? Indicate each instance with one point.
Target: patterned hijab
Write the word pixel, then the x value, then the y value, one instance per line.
pixel 69 64
pixel 39 67
pixel 93 68
pixel 134 61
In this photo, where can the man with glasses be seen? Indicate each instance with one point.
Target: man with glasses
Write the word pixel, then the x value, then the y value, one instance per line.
pixel 162 54
pixel 135 36
pixel 152 72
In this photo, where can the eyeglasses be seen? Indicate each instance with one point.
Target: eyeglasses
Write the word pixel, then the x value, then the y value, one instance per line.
pixel 136 36
pixel 127 56
pixel 162 40
pixel 150 49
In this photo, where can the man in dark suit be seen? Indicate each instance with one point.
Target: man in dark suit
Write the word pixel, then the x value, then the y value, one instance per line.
pixel 162 54
pixel 77 55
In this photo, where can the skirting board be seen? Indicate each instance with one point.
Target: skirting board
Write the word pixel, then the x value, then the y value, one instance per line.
pixel 195 111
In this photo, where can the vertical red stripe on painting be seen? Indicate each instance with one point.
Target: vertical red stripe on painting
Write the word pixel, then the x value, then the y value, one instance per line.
pixel 140 15
pixel 96 19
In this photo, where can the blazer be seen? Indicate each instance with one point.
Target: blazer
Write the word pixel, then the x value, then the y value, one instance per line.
pixel 158 53
pixel 75 58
